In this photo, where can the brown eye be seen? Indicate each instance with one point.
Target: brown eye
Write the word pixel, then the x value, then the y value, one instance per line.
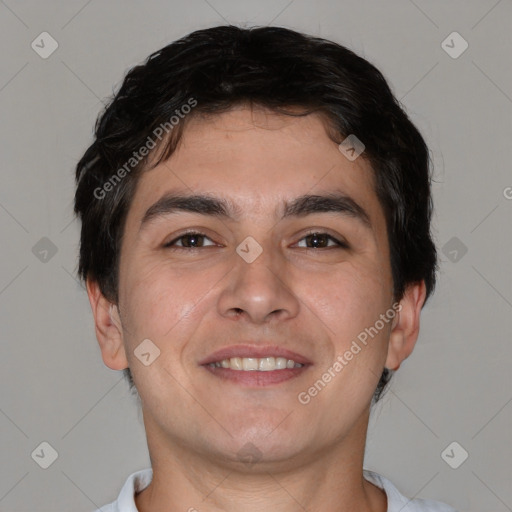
pixel 321 241
pixel 191 240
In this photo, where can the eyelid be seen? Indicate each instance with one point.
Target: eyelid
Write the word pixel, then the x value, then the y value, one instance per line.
pixel 340 241
pixel 185 233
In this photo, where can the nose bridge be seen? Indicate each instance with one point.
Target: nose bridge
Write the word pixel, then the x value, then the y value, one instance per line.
pixel 257 285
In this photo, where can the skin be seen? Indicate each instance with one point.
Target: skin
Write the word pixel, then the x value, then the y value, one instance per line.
pixel 315 302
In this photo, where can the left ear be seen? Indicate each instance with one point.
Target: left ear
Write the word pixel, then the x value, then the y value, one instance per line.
pixel 406 326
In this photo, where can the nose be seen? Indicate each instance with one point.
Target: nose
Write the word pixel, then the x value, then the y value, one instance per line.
pixel 259 291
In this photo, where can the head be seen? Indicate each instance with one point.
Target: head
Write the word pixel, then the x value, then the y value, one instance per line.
pixel 188 105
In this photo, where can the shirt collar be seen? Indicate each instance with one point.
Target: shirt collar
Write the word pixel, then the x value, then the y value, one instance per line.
pixel 139 480
pixel 135 483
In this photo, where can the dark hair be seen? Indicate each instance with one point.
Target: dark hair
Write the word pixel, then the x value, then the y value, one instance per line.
pixel 272 67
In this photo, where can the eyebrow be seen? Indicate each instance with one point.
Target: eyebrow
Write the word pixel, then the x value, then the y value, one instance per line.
pixel 222 208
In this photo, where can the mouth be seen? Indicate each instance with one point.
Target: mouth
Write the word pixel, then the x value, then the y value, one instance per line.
pixel 256 365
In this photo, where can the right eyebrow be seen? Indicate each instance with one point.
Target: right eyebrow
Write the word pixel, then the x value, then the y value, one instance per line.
pixel 172 203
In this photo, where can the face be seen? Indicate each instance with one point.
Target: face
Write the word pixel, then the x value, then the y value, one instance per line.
pixel 306 280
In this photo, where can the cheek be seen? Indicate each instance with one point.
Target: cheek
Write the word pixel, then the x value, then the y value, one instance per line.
pixel 156 298
pixel 168 304
pixel 348 301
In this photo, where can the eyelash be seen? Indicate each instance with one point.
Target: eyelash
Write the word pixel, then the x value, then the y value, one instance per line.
pixel 341 244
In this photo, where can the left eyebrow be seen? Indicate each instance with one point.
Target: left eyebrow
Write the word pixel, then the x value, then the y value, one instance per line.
pixel 329 203
pixel 218 207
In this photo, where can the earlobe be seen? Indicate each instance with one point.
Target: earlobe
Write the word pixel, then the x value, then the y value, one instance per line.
pixel 406 325
pixel 108 328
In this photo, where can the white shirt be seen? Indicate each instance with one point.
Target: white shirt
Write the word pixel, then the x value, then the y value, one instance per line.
pixel 139 480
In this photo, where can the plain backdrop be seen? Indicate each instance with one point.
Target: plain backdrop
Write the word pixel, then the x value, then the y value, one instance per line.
pixel 455 387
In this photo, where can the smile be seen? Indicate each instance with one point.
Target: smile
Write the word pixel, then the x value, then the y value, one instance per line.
pixel 262 364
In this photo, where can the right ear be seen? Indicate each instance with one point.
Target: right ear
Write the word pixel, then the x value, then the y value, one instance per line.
pixel 108 331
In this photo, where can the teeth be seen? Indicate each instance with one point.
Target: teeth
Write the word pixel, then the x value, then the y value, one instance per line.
pixel 263 364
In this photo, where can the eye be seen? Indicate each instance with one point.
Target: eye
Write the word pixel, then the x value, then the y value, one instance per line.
pixel 191 240
pixel 321 240
pixel 195 240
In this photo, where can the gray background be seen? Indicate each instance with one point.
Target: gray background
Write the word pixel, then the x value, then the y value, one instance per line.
pixel 456 386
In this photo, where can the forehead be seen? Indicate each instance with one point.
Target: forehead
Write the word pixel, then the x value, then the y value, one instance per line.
pixel 258 160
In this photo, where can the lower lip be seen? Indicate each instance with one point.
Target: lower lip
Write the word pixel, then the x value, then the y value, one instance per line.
pixel 255 377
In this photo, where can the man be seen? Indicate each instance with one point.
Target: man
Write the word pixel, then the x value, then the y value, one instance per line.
pixel 256 247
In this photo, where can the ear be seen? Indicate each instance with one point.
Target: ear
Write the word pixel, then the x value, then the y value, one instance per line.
pixel 406 325
pixel 108 328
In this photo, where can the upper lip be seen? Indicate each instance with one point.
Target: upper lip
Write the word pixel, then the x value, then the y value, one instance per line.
pixel 256 351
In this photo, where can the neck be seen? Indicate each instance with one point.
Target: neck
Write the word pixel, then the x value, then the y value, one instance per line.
pixel 332 479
